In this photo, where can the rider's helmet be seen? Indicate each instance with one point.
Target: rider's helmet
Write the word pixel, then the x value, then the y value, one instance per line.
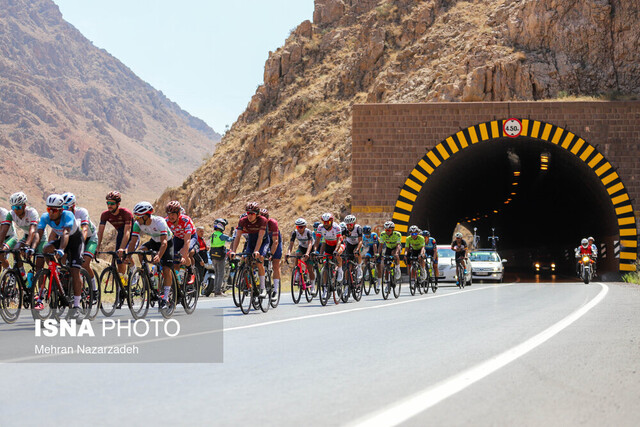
pixel 458 235
pixel 591 238
pixel 301 222
pixel 316 225
pixel 69 200
pixel 350 219
pixel 173 207
pixel 264 212
pixel 326 217
pixel 584 243
pixel 55 201
pixel 366 229
pixel 253 207
pixel 18 199
pixel 143 208
pixel 389 225
pixel 426 233
pixel 414 230
pixel 115 196
pixel 218 226
pixel 220 221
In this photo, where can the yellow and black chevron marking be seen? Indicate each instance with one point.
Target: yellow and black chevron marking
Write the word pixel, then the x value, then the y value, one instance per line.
pixel 491 131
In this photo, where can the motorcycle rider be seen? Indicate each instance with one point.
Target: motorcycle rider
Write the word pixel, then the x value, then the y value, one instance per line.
pixel 584 249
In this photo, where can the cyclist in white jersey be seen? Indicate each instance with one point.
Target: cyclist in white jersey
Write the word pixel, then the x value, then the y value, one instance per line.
pixel 26 219
pixel 305 246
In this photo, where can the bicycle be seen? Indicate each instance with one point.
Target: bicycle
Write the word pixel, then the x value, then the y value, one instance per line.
pixel 369 277
pixel 300 280
pixel 460 276
pixel 188 293
pixel 15 292
pixel 328 281
pixel 431 278
pixel 155 285
pixel 352 286
pixel 416 280
pixel 247 286
pixel 389 279
pixel 113 291
pixel 53 288
pixel 268 270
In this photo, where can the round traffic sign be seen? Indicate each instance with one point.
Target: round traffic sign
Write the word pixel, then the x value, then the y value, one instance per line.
pixel 512 127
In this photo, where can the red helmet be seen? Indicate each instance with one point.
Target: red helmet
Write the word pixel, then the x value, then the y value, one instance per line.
pixel 114 195
pixel 264 212
pixel 253 207
pixel 173 207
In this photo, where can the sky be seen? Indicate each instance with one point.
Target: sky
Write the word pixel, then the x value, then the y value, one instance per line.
pixel 206 55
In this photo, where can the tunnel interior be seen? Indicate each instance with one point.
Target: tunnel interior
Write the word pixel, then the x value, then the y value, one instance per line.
pixel 540 199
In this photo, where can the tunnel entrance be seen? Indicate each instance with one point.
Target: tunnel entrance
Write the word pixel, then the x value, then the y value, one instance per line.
pixel 541 192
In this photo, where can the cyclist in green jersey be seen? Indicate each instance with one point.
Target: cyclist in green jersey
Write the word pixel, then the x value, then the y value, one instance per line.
pixel 414 247
pixel 391 240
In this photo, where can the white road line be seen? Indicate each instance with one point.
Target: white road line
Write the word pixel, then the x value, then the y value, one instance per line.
pixel 408 408
pixel 275 322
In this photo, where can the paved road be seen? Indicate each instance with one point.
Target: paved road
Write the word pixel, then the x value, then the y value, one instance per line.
pixel 509 354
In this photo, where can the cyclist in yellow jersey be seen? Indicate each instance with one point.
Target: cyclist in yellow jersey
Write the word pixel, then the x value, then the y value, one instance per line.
pixel 391 240
pixel 414 247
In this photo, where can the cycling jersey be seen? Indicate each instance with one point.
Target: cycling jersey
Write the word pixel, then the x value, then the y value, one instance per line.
pixel 118 221
pixel 430 244
pixel 331 235
pixel 182 226
pixel 461 254
pixel 391 241
pixel 304 239
pixel 82 215
pixel 368 241
pixel 11 232
pixel 248 227
pixel 352 236
pixel 155 230
pixel 272 228
pixel 66 220
pixel 30 218
pixel 415 244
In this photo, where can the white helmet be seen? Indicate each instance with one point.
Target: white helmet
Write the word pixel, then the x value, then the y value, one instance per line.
pixel 389 224
pixel 458 235
pixel 414 229
pixel 301 222
pixel 55 201
pixel 590 238
pixel 584 243
pixel 326 217
pixel 143 208
pixel 18 199
pixel 69 199
pixel 350 219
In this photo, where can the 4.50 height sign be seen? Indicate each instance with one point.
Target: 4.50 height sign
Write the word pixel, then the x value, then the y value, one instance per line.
pixel 512 128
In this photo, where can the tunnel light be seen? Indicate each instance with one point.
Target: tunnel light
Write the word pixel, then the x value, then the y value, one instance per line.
pixel 506 202
pixel 516 173
pixel 514 183
pixel 495 211
pixel 513 194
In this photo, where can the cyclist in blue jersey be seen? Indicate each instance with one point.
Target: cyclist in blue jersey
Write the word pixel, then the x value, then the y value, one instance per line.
pixel 431 249
pixel 370 242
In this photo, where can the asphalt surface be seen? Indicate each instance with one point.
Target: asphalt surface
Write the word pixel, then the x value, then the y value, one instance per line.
pixel 492 354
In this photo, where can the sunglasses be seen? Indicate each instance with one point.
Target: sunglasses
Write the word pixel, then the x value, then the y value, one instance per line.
pixel 138 217
pixel 53 210
pixel 414 234
pixel 252 213
pixel 17 207
pixel 111 203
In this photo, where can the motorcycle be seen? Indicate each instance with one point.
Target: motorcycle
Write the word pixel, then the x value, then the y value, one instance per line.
pixel 209 277
pixel 586 268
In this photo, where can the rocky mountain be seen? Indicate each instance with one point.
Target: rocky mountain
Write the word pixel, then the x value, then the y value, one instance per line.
pixel 291 148
pixel 81 119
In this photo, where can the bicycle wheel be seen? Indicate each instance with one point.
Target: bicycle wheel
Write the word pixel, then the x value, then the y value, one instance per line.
pixel 397 284
pixel 11 293
pixel 337 288
pixel 190 293
pixel 265 302
pixel 308 293
pixel 356 290
pixel 86 302
pixel 324 285
pixel 63 300
pixel 234 287
pixel 347 286
pixel 244 287
pixel 412 279
pixel 43 299
pixel 420 281
pixel 172 299
pixel 275 300
pixel 138 295
pixel 296 289
pixel 386 283
pixel 94 297
pixel 460 276
pixel 110 291
pixel 377 286
pixel 366 280
pixel 424 281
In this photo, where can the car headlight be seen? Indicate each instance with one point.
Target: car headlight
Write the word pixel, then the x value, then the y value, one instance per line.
pixel 537 265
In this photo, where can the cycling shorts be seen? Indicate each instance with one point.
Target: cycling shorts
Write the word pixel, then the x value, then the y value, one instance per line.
pixel 430 252
pixel 302 251
pixel 413 252
pixel 350 249
pixel 329 250
pixel 252 240
pixel 90 246
pixel 167 256
pixel 74 249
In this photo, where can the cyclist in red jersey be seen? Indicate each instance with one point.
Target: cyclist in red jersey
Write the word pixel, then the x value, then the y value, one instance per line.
pixel 122 221
pixel 183 229
pixel 275 248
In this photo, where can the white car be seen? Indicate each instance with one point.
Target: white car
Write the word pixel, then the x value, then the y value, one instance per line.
pixel 487 265
pixel 447 266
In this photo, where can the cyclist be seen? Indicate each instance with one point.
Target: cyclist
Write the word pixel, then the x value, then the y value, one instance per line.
pixel 414 247
pixel 218 251
pixel 122 220
pixel 65 238
pixel 391 240
pixel 353 239
pixel 255 226
pixel 161 241
pixel 182 229
pixel 275 247
pixel 9 240
pixel 89 236
pixel 431 250
pixel 330 236
pixel 459 246
pixel 305 245
pixel 370 243
pixel 315 231
pixel 25 218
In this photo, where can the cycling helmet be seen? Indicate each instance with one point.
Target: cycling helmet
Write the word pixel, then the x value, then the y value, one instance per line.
pixel 458 235
pixel 220 221
pixel 389 224
pixel 18 199
pixel 218 226
pixel 115 196
pixel 143 208
pixel 414 229
pixel 301 222
pixel 264 212
pixel 173 207
pixel 69 199
pixel 426 233
pixel 366 229
pixel 316 225
pixel 253 207
pixel 350 219
pixel 326 217
pixel 55 201
pixel 584 243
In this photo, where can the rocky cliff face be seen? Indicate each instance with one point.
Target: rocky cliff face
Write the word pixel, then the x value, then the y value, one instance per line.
pixel 81 118
pixel 291 147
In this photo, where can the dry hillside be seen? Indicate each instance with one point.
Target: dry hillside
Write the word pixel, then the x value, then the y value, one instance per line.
pixel 291 148
pixel 81 119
